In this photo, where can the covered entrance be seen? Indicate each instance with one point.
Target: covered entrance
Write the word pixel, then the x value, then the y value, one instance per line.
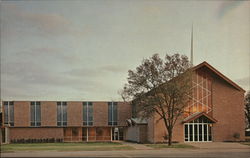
pixel 117 133
pixel 198 128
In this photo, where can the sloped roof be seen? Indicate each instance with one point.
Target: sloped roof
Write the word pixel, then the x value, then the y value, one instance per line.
pixel 205 64
pixel 197 115
pixel 138 121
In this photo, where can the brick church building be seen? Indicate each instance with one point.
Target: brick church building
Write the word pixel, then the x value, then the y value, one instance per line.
pixel 215 113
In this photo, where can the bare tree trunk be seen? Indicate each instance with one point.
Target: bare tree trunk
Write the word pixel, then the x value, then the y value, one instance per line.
pixel 169 137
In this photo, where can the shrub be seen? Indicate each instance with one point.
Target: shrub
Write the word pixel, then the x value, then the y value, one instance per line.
pixel 236 135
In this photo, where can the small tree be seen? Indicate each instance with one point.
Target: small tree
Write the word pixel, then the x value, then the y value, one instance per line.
pixel 247 108
pixel 160 87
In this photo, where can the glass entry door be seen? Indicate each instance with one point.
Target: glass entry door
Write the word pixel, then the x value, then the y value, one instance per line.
pixel 117 133
pixel 199 130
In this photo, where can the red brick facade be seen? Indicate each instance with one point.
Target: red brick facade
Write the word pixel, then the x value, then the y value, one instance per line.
pixel 74 130
pixel 213 94
pixel 225 103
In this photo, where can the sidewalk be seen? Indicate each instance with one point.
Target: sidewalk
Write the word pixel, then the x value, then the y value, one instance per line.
pixel 137 146
pixel 219 145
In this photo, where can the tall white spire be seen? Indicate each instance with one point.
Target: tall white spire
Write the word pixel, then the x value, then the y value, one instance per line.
pixel 191 56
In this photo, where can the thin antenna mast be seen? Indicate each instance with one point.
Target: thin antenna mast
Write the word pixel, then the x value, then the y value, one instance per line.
pixel 191 58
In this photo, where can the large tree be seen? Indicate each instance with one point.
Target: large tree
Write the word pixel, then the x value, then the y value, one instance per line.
pixel 160 87
pixel 247 108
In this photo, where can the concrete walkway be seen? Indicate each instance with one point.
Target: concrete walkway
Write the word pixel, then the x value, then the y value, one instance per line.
pixel 219 145
pixel 137 146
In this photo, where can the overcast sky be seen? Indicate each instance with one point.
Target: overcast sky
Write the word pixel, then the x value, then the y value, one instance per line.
pixel 82 50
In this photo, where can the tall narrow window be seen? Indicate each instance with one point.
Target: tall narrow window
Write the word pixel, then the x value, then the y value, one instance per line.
pixel 35 113
pixel 61 113
pixel 88 113
pixel 112 113
pixel 9 112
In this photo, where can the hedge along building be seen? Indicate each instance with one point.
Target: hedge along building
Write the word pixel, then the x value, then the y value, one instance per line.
pixel 215 113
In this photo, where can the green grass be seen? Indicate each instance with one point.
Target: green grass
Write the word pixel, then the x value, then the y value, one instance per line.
pixel 160 146
pixel 246 143
pixel 95 146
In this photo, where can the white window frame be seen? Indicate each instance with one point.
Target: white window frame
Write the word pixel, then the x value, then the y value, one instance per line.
pixel 202 123
pixel 8 111
pixel 61 111
pixel 35 121
pixel 87 112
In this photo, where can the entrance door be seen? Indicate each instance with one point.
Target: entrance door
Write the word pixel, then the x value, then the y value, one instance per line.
pixel 115 132
pixel 198 132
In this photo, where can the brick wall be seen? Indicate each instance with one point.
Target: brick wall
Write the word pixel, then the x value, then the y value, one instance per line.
pixel 124 112
pixel 36 133
pixel 74 113
pixel 160 131
pixel 21 113
pixel 227 105
pixel 100 113
pixel 228 109
pixel 48 113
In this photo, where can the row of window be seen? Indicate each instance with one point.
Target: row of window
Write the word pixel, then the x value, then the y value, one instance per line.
pixel 35 113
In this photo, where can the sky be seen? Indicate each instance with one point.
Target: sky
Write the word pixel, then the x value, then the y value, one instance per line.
pixel 82 49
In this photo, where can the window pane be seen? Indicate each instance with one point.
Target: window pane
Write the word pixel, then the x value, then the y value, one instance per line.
pixel 195 133
pixel 38 123
pixel 32 112
pixel 190 132
pixel 90 123
pixel 200 132
pixel 205 132
pixel 6 115
pixel 186 132
pixel 65 113
pixel 109 113
pixel 11 112
pixel 84 112
pixel 90 113
pixel 209 133
pixel 115 113
pixel 38 113
pixel 58 113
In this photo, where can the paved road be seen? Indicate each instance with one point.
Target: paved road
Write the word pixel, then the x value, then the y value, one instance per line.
pixel 204 150
pixel 204 153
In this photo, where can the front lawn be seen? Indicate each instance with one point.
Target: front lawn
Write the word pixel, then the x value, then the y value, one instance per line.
pixel 95 146
pixel 160 146
pixel 246 143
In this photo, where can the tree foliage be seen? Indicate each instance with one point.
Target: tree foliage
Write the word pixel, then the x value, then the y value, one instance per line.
pixel 247 108
pixel 160 87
